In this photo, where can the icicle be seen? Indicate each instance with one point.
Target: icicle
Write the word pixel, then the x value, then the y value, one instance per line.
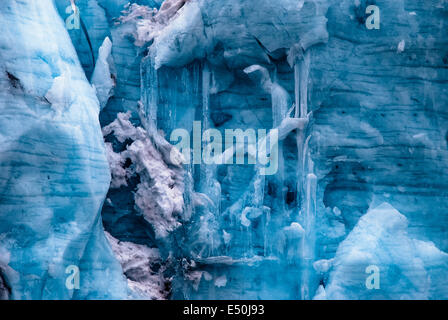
pixel 307 156
pixel 309 241
pixel 153 94
pixel 304 73
pixel 208 185
pixel 280 102
pixel 301 71
pixel 150 97
pixel 299 136
pixel 297 88
pixel 206 78
pixel 206 173
pixel 192 84
pixel 306 179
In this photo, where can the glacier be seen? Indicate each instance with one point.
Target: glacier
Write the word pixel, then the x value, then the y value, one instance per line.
pixel 411 269
pixel 54 175
pixel 357 207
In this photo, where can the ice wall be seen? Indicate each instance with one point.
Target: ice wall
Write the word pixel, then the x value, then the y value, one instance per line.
pixel 362 121
pixel 54 175
pixel 377 132
pixel 380 121
pixel 111 60
pixel 407 268
pixel 243 239
pixel 98 20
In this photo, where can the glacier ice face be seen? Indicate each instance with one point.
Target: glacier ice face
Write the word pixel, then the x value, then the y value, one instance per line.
pixel 407 268
pixel 361 119
pixel 240 227
pixel 380 132
pixel 98 20
pixel 200 26
pixel 373 131
pixel 54 173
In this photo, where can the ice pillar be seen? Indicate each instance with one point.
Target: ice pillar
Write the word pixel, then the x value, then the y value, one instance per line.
pixel 306 179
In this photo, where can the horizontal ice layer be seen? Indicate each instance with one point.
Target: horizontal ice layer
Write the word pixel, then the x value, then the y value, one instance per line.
pixel 246 33
pixel 380 120
pixel 54 173
pixel 380 260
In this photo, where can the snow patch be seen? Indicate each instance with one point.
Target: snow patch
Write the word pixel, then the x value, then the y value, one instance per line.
pixel 401 46
pixel 61 95
pixel 137 262
pixel 159 195
pixel 103 78
pixel 221 281
pixel 409 268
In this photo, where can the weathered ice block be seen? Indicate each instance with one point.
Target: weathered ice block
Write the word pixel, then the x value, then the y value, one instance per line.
pixel 55 174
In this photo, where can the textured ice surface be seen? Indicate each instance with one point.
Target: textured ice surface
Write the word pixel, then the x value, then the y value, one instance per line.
pixel 362 121
pixel 54 173
pixel 99 20
pixel 377 133
pixel 408 268
pixel 159 195
pixel 143 267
